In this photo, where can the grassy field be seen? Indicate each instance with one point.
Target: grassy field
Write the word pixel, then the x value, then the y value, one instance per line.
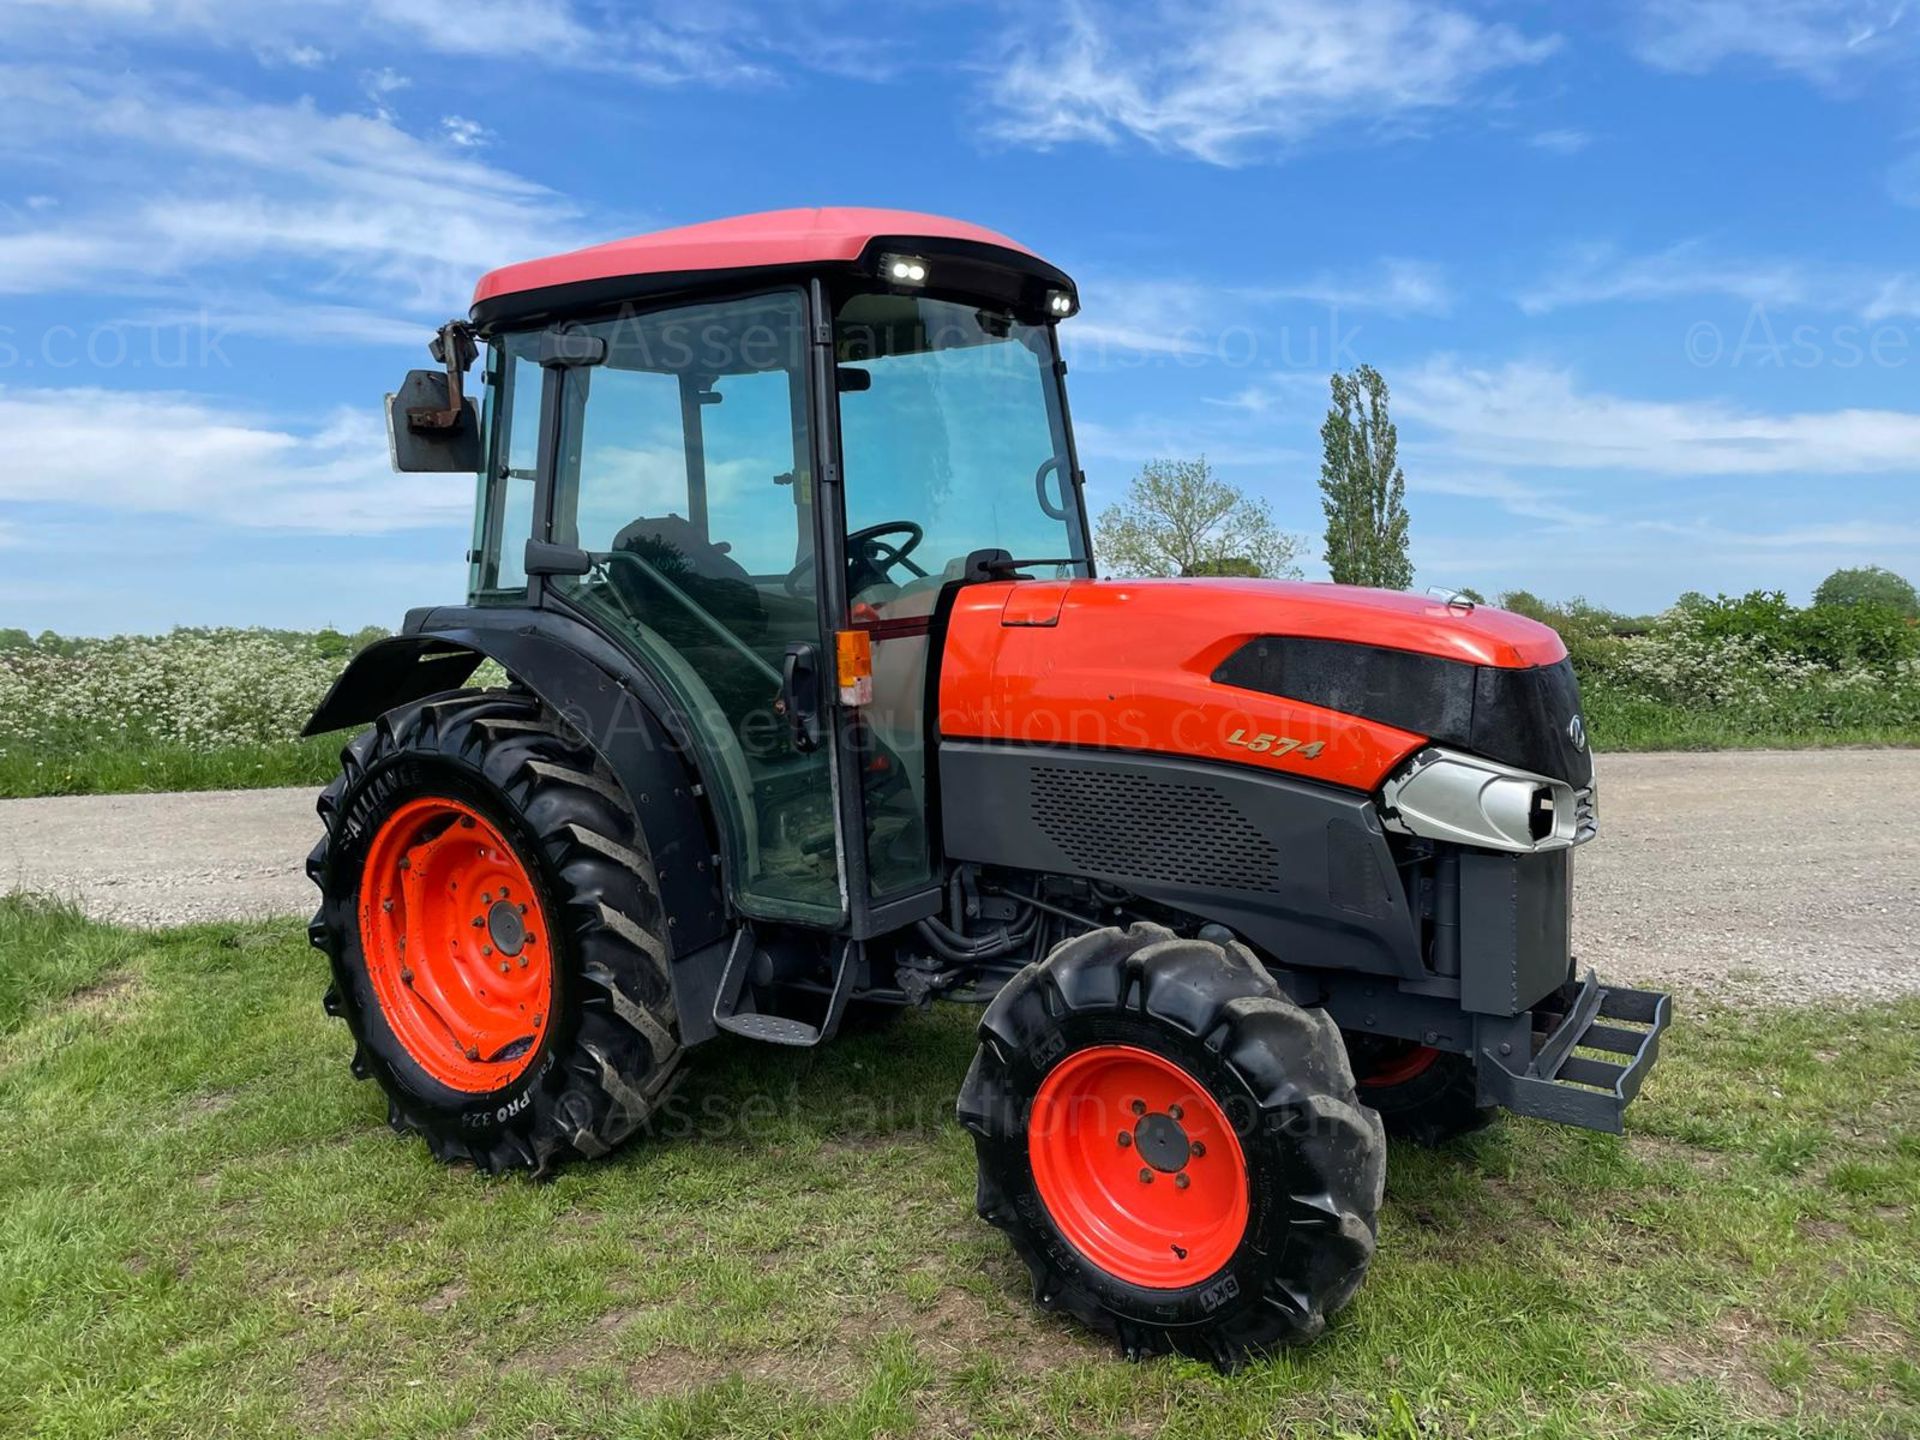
pixel 206 1228
pixel 1621 721
pixel 120 770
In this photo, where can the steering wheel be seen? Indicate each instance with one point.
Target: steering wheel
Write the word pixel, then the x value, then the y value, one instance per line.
pixel 869 557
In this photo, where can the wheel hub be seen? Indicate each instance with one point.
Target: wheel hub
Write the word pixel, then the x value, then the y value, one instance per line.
pixel 455 944
pixel 508 930
pixel 1162 1143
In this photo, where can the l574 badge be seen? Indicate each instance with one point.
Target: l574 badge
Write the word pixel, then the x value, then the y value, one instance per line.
pixel 1276 745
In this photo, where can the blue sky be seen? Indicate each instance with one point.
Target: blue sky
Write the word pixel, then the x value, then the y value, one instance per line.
pixel 1643 276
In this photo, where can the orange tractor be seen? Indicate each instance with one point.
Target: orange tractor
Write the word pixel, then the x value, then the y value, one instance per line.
pixel 815 707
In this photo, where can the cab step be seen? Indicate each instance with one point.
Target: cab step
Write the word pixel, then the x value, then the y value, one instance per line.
pixel 1622 1029
pixel 735 1006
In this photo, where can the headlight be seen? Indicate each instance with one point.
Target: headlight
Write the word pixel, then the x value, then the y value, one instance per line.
pixel 1442 795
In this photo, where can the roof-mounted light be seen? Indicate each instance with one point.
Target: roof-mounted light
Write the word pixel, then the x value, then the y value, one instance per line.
pixel 1061 304
pixel 903 269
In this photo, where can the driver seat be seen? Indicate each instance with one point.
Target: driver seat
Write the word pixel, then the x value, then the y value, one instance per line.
pixel 701 569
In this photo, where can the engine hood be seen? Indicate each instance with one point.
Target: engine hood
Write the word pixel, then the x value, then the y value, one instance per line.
pixel 1330 682
pixel 1391 619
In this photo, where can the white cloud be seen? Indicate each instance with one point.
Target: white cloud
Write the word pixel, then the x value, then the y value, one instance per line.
pixel 261 315
pixel 122 452
pixel 1130 321
pixel 467 134
pixel 198 182
pixel 1238 78
pixel 1598 274
pixel 1278 391
pixel 1537 417
pixel 1148 437
pixel 657 44
pixel 1395 286
pixel 1561 142
pixel 1898 298
pixel 1525 500
pixel 1819 39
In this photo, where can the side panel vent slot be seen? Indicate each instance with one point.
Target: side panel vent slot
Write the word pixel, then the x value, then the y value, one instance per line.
pixel 1139 828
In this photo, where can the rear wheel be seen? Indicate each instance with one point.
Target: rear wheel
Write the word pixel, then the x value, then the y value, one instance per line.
pixel 1430 1096
pixel 1174 1147
pixel 495 932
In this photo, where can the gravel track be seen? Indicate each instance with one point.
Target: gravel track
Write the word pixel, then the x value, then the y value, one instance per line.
pixel 1765 877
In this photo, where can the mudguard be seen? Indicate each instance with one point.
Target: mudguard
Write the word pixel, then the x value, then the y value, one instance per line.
pixel 630 723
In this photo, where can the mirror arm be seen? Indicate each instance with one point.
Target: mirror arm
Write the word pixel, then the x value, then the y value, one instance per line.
pixel 454 346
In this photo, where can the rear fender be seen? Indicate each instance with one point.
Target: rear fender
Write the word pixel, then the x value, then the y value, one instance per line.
pixel 629 725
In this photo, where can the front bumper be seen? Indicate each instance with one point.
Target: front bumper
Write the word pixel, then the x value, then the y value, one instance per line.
pixel 1551 1080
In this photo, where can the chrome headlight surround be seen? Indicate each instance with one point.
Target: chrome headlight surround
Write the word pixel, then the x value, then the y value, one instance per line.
pixel 1445 795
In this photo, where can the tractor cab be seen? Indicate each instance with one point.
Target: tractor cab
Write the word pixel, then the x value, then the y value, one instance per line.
pixel 759 480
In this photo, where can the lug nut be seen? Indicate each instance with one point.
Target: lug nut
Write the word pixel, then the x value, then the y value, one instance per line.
pixel 479 922
pixel 1180 1181
pixel 1146 1176
pixel 1173 1112
pixel 504 967
pixel 1139 1107
pixel 486 949
pixel 523 962
pixel 1199 1148
pixel 1125 1139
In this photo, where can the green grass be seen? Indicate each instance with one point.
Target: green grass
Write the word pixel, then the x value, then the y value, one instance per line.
pixel 206 1228
pixel 1630 722
pixel 119 770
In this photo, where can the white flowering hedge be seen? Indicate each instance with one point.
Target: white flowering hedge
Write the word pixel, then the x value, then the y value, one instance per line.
pixel 1741 676
pixel 1725 671
pixel 202 690
pixel 1752 666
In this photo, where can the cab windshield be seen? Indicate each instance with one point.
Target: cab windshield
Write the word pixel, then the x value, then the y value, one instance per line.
pixel 952 440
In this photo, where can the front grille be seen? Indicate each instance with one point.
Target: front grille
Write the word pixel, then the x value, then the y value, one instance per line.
pixel 1586 814
pixel 1133 827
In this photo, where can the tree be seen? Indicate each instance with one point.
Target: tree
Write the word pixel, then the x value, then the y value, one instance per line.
pixel 1179 519
pixel 1362 488
pixel 1868 585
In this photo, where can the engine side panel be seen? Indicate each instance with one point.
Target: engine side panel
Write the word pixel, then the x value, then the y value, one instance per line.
pixel 1302 871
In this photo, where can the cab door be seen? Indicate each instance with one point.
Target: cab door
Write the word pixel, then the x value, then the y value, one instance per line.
pixel 684 467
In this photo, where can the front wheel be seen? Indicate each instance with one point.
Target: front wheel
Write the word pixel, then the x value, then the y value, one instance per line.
pixel 1428 1096
pixel 495 932
pixel 1173 1146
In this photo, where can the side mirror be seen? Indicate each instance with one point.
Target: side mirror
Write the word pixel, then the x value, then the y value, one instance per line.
pixel 420 448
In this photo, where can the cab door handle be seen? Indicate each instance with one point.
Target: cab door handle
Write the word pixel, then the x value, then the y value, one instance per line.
pixel 799 698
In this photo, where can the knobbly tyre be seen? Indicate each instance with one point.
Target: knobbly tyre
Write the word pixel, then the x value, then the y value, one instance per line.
pixel 815 707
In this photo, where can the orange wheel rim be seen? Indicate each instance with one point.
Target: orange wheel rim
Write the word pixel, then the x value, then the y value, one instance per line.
pixel 1138 1166
pixel 457 944
pixel 1397 1067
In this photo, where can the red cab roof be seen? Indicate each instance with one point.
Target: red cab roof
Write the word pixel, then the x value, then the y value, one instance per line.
pixel 825 235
